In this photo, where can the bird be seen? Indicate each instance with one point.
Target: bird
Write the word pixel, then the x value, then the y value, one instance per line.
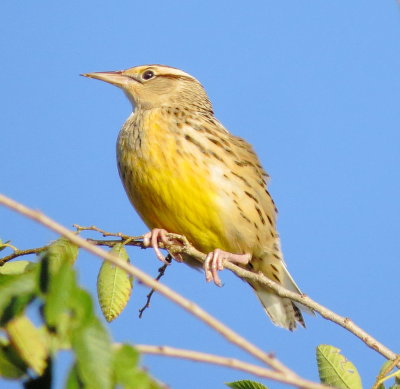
pixel 185 173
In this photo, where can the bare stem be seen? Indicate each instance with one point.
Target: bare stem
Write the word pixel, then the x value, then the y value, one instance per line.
pixel 18 253
pixel 161 272
pixel 227 362
pixel 106 233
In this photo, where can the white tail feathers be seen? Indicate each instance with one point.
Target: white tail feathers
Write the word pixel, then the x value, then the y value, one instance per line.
pixel 283 312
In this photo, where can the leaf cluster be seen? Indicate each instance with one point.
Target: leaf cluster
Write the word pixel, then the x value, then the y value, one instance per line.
pixel 43 310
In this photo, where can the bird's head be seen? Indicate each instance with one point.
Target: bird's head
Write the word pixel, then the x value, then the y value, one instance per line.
pixel 153 86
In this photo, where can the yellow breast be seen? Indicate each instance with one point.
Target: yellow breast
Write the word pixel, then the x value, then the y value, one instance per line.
pixel 170 186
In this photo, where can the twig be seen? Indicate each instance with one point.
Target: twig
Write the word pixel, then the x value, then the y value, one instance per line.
pixel 7 244
pixel 112 243
pixel 226 362
pixel 326 313
pixel 188 305
pixel 19 253
pixel 105 233
pixel 161 272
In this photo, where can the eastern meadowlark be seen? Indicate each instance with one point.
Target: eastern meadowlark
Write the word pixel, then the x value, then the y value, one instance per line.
pixel 185 173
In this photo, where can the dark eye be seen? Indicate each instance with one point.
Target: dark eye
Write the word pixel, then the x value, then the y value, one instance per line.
pixel 147 75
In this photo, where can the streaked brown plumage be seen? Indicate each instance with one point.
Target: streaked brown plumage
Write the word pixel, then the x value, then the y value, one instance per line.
pixel 185 173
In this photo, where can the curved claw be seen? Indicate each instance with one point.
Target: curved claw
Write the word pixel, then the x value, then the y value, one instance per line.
pixel 215 262
pixel 212 264
pixel 152 238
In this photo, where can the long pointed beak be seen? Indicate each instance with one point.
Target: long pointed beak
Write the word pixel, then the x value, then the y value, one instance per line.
pixel 117 78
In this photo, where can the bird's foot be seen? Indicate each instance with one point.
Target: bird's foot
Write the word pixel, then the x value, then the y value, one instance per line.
pixel 215 262
pixel 156 235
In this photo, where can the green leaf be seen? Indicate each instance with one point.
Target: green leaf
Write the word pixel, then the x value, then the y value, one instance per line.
pixel 16 307
pixel 245 384
pixel 11 365
pixel 141 380
pixel 73 380
pixel 14 267
pixel 389 372
pixel 14 285
pixel 383 368
pixel 60 308
pixel 82 307
pixel 92 348
pixel 29 343
pixel 63 250
pixel 57 303
pixel 385 365
pixel 75 312
pixel 60 251
pixel 127 374
pixel 125 363
pixel 15 292
pixel 3 244
pixel 335 370
pixel 114 286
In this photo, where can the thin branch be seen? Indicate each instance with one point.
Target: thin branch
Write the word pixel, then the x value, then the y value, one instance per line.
pixel 188 305
pixel 105 233
pixel 112 243
pixel 226 362
pixel 326 313
pixel 161 272
pixel 9 245
pixel 19 253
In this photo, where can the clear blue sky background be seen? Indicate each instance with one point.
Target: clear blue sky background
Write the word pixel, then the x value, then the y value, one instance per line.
pixel 313 85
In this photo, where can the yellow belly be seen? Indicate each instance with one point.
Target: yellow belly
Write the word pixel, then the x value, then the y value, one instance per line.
pixel 170 188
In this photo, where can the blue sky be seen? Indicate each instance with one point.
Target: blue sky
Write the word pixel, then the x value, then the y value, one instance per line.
pixel 314 86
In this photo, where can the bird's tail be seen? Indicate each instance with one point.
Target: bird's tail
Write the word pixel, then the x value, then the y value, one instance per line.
pixel 282 311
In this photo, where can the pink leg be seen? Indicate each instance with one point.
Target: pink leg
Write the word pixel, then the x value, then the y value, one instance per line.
pixel 152 238
pixel 215 262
